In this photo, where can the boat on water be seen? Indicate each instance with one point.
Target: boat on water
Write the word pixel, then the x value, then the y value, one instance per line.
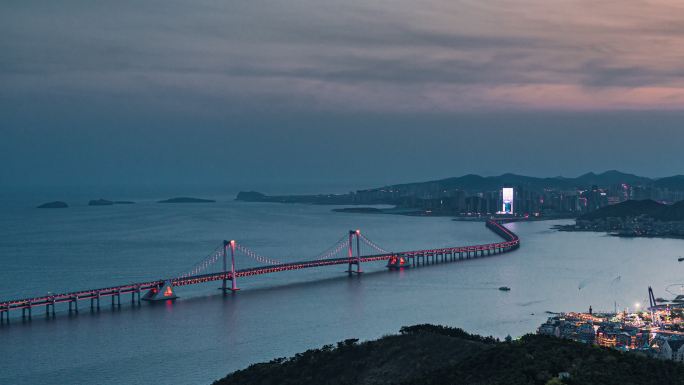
pixel 680 259
pixel 505 288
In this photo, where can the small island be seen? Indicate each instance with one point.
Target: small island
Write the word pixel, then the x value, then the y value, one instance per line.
pixel 106 202
pixel 54 205
pixel 321 199
pixel 187 200
pixel 360 210
pixel 100 202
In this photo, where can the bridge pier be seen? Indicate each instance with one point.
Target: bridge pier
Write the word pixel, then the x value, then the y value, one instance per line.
pixel 137 291
pixel 93 300
pixel 73 301
pixel 133 293
pixel 26 311
pixel 116 299
pixel 48 308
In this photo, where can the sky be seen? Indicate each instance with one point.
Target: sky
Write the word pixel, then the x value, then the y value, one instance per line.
pixel 351 92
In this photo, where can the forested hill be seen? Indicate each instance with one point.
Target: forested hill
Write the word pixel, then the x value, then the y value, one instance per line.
pixel 436 355
pixel 635 208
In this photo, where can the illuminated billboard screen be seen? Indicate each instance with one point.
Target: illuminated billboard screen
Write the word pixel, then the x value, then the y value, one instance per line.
pixel 507 198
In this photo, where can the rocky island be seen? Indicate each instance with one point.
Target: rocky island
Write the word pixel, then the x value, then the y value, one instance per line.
pixel 54 205
pixel 432 355
pixel 106 202
pixel 360 210
pixel 323 199
pixel 100 202
pixel 187 200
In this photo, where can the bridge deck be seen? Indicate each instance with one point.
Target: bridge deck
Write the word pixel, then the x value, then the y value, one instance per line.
pixel 511 242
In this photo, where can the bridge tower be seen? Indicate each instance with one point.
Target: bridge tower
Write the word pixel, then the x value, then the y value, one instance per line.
pixel 354 261
pixel 233 280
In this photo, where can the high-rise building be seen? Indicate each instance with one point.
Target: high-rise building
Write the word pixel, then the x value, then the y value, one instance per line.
pixel 507 199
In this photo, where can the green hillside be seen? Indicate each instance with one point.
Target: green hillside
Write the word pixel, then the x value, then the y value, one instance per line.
pixel 435 355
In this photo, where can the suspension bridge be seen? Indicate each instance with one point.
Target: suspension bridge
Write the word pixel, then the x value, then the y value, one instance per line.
pixel 346 251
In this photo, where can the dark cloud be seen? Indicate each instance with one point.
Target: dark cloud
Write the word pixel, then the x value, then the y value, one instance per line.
pixel 131 91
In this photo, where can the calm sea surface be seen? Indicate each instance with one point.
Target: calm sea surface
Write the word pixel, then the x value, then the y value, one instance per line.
pixel 203 336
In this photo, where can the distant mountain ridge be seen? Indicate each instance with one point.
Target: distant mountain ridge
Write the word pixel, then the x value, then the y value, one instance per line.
pixel 491 183
pixel 469 183
pixel 675 182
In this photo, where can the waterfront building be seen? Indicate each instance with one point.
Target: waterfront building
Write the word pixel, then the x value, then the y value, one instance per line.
pixel 635 332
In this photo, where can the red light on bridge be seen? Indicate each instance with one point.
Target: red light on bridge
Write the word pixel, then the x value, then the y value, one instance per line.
pixel 358 232
pixel 168 292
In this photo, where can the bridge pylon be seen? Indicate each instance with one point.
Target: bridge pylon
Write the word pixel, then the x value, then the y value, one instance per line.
pixel 354 261
pixel 229 245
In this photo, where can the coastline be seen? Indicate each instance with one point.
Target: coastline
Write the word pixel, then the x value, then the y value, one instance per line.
pixel 613 233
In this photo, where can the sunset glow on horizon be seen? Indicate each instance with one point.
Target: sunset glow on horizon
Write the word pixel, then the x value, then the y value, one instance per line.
pixel 441 56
